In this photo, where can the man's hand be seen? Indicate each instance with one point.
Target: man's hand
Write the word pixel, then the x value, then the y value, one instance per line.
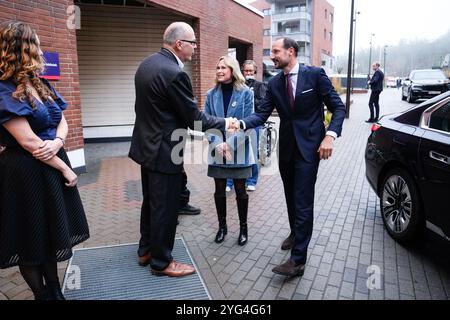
pixel 48 149
pixel 224 150
pixel 326 148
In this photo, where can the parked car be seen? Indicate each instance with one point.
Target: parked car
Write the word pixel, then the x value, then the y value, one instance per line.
pixel 424 84
pixel 391 82
pixel 408 165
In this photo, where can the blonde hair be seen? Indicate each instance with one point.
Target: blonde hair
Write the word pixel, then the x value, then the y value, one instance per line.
pixel 236 74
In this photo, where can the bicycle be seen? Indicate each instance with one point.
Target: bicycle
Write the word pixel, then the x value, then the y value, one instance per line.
pixel 267 143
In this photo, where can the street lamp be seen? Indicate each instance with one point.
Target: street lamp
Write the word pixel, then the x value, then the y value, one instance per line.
pixel 370 58
pixel 349 69
pixel 354 51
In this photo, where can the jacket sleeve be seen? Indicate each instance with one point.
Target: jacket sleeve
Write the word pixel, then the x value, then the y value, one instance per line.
pixel 212 138
pixel 260 116
pixel 260 93
pixel 238 140
pixel 332 101
pixel 185 105
pixel 376 78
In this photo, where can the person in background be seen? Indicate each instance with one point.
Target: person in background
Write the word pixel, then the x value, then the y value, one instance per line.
pixel 376 84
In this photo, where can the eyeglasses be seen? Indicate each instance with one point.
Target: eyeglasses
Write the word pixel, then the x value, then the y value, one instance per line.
pixel 192 42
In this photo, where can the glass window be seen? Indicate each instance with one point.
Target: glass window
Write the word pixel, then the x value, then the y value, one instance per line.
pixel 292 8
pixel 326 14
pixel 303 8
pixel 440 119
pixel 331 17
pixel 331 36
pixel 266 12
pixel 266 52
pixel 428 75
pixel 325 33
pixel 266 32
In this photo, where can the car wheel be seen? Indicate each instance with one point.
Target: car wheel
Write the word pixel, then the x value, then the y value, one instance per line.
pixel 410 99
pixel 400 205
pixel 403 97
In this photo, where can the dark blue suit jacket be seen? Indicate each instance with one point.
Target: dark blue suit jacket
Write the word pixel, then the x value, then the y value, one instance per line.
pixel 302 128
pixel 376 83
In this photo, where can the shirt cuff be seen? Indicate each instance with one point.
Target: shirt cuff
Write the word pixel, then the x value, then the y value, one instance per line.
pixel 227 123
pixel 332 134
pixel 243 126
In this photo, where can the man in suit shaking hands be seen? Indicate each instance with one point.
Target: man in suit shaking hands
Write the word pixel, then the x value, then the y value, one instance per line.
pixel 299 93
pixel 164 103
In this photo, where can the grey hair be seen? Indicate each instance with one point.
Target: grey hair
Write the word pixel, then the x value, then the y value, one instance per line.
pixel 250 62
pixel 176 31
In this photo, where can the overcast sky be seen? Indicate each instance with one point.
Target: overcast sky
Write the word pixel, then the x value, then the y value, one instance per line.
pixel 390 20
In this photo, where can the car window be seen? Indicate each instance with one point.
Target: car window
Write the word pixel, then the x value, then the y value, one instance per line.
pixel 428 75
pixel 440 119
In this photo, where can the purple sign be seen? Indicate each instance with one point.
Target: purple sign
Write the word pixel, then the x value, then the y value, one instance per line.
pixel 51 71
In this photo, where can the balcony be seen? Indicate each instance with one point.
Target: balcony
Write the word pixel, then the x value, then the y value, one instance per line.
pixel 279 16
pixel 296 35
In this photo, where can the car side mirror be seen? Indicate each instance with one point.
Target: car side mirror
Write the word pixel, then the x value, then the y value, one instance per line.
pixel 407 79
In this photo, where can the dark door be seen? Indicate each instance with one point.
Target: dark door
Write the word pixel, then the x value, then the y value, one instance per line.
pixel 434 153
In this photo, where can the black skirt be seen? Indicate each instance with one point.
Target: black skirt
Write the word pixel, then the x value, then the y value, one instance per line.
pixel 41 219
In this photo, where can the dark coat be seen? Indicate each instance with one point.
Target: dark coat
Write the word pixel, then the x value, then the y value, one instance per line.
pixel 164 103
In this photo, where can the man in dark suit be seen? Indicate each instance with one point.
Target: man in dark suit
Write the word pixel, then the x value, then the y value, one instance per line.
pixel 299 93
pixel 164 103
pixel 376 84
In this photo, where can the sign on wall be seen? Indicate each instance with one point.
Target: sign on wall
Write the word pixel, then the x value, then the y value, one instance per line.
pixel 52 71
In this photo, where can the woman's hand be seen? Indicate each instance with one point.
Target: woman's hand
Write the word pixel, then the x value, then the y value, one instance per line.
pixel 224 150
pixel 48 149
pixel 71 177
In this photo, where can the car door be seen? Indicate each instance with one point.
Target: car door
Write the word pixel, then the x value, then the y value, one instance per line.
pixel 434 155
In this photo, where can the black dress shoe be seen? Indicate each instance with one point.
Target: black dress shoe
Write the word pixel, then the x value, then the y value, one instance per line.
pixel 370 120
pixel 288 243
pixel 189 210
pixel 289 269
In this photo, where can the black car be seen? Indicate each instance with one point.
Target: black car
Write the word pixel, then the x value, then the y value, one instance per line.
pixel 424 84
pixel 408 165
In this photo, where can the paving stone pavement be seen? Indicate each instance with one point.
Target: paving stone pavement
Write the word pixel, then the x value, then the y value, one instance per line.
pixel 348 232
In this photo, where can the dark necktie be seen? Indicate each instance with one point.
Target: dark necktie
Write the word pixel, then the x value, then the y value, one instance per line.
pixel 290 93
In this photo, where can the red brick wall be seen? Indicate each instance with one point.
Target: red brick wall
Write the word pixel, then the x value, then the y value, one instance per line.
pixel 49 19
pixel 217 21
pixel 319 43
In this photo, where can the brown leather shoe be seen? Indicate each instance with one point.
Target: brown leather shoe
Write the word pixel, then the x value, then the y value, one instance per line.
pixel 145 260
pixel 175 269
pixel 289 269
pixel 288 243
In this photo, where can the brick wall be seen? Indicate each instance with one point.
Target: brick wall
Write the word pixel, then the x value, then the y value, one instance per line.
pixel 320 23
pixel 214 22
pixel 49 19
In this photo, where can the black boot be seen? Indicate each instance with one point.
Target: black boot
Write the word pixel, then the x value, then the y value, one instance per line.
pixel 221 208
pixel 54 291
pixel 242 204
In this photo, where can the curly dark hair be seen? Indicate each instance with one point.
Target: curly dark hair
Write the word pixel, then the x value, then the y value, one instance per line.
pixel 21 61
